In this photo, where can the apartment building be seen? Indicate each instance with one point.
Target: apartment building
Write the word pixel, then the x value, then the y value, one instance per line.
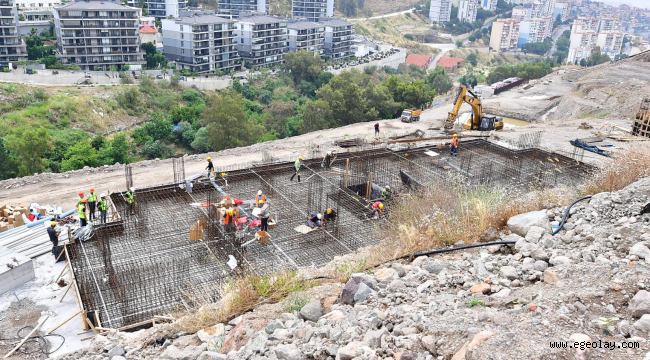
pixel 261 39
pixel 489 5
pixel 12 47
pixel 338 38
pixel 97 34
pixel 34 19
pixel 534 30
pixel 505 35
pixel 32 5
pixel 519 13
pixel 589 33
pixel 303 35
pixel 440 11
pixel 161 9
pixel 312 10
pixel 467 10
pixel 563 9
pixel 547 7
pixel 610 43
pixel 201 43
pixel 233 8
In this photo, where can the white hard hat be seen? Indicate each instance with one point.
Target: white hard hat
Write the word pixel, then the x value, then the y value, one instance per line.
pixel 329 153
pixel 102 195
pixel 319 216
pixel 387 187
pixel 259 192
pixel 132 189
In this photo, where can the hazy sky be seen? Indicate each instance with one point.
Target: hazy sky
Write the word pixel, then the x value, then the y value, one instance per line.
pixel 637 3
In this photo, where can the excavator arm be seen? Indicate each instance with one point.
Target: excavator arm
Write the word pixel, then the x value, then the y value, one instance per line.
pixel 473 101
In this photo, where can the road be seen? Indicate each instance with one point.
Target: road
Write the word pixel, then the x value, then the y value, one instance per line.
pixel 443 50
pixel 556 35
pixel 383 16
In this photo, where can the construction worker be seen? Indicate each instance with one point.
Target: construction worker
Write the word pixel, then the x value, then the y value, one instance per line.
pixel 377 209
pixel 103 206
pixel 92 204
pixel 260 198
pixel 330 215
pixel 386 194
pixel 327 161
pixel 264 214
pixel 376 129
pixel 130 199
pixel 82 212
pixel 454 145
pixel 228 220
pixel 315 220
pixel 81 198
pixel 296 168
pixel 210 167
pixel 54 235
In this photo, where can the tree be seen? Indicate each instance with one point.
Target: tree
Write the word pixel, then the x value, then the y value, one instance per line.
pixel 583 62
pixel 471 58
pixel 156 149
pixel 316 115
pixel 227 123
pixel 7 165
pixel 80 155
pixel 459 43
pixel 201 143
pixel 119 149
pixel 184 114
pixel 442 84
pixel 276 115
pixel 29 146
pixel 159 128
pixel 345 98
pixel 303 66
pixel 97 142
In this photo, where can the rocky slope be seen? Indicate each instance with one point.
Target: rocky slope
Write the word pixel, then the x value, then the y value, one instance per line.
pixel 589 283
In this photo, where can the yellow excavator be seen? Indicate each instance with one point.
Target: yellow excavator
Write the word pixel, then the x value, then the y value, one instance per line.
pixel 478 120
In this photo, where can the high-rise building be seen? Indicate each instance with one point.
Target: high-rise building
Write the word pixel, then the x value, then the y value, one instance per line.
pixel 25 5
pixel 232 8
pixel 312 10
pixel 534 30
pixel 547 7
pixel 505 35
pixel 202 43
pixel 261 39
pixel 440 11
pixel 304 35
pixel 563 9
pixel 467 10
pixel 338 38
pixel 490 5
pixel 610 42
pixel 587 33
pixel 96 34
pixel 161 9
pixel 12 47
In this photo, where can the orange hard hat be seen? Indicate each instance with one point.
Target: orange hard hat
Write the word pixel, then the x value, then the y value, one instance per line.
pixel 84 201
pixel 91 190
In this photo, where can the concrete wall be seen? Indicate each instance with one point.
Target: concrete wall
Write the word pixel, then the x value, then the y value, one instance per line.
pixel 22 272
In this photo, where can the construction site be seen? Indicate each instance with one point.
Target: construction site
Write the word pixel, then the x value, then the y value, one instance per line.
pixel 175 249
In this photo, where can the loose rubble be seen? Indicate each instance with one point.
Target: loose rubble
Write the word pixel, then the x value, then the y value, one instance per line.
pixel 587 283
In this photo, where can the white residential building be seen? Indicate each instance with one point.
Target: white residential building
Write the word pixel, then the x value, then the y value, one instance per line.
pixel 261 39
pixel 467 10
pixel 232 8
pixel 490 5
pixel 534 30
pixel 312 10
pixel 161 9
pixel 304 35
pixel 505 35
pixel 562 8
pixel 12 47
pixel 339 35
pixel 440 11
pixel 610 43
pixel 547 7
pixel 589 33
pixel 31 5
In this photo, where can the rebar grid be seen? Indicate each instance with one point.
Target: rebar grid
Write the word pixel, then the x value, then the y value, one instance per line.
pixel 145 264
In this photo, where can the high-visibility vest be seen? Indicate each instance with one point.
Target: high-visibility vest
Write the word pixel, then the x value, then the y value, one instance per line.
pixel 129 197
pixel 102 205
pixel 92 197
pixel 385 193
pixel 297 165
pixel 454 141
pixel 227 219
pixel 82 211
pixel 80 201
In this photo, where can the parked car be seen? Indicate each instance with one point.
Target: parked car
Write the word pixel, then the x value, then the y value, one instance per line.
pixel 30 71
pixel 87 75
pixel 159 76
pixel 55 72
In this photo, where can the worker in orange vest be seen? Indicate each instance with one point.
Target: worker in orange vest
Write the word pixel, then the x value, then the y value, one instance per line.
pixel 454 145
pixel 260 198
pixel 228 220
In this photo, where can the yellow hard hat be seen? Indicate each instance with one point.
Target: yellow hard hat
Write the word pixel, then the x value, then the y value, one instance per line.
pixel 299 157
pixel 455 135
pixel 53 223
pixel 223 174
pixel 209 158
pixel 230 211
pixel 329 211
pixel 261 202
pixel 381 206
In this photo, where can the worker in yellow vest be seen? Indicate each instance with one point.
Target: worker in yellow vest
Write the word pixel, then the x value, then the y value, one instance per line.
pixel 82 212
pixel 130 200
pixel 92 204
pixel 103 207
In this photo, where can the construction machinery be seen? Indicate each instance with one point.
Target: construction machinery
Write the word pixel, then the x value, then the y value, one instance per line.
pixel 478 120
pixel 410 115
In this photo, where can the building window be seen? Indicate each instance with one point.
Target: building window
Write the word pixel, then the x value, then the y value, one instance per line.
pixel 182 44
pixel 182 51
pixel 181 27
pixel 182 36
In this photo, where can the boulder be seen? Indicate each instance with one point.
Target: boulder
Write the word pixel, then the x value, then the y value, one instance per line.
pixel 490 235
pixel 476 342
pixel 640 304
pixel 351 350
pixel 363 293
pixel 435 266
pixel 520 224
pixel 206 334
pixel 240 334
pixel 116 351
pixel 211 355
pixel 429 343
pixel 373 338
pixel 188 353
pixel 386 275
pixel 641 250
pixel 480 288
pixel 352 287
pixel 535 233
pixel 399 268
pixel 312 311
pixel 287 352
pixel 551 276
pixel 509 272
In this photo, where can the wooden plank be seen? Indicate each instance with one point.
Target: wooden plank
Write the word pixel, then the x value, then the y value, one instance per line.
pixel 76 288
pixel 66 320
pixel 135 325
pixel 27 337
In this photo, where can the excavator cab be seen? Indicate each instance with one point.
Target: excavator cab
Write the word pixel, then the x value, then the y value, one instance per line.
pixel 491 122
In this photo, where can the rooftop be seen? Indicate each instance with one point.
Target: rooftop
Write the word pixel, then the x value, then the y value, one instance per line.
pixel 419 60
pixel 299 25
pixel 334 22
pixel 260 19
pixel 450 61
pixel 94 5
pixel 148 30
pixel 202 19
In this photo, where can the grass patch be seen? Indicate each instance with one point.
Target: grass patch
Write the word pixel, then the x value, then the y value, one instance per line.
pixel 294 302
pixel 387 30
pixel 473 302
pixel 343 272
pixel 621 171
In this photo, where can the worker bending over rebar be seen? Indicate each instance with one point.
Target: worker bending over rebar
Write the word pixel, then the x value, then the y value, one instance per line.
pixel 296 168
